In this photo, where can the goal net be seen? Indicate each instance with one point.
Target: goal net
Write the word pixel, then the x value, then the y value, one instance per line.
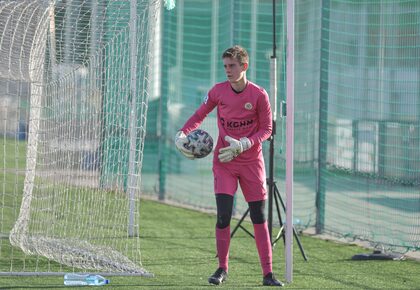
pixel 74 81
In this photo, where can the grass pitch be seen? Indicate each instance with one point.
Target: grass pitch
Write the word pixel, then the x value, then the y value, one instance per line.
pixel 178 247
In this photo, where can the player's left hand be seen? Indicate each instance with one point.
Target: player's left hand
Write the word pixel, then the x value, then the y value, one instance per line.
pixel 235 148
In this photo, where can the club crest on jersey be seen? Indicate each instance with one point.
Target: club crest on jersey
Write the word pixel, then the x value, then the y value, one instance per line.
pixel 206 98
pixel 248 106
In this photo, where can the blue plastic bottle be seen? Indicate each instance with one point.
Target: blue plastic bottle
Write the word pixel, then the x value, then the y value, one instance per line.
pixel 74 279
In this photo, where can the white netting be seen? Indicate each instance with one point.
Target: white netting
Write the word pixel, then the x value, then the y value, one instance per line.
pixel 86 64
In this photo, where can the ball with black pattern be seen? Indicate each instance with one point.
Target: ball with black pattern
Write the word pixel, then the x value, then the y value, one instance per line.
pixel 200 143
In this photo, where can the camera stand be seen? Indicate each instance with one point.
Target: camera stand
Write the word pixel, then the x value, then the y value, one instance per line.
pixel 280 235
pixel 273 194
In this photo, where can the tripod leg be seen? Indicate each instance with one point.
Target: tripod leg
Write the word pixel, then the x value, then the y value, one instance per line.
pixel 240 226
pixel 277 195
pixel 279 236
pixel 302 251
pixel 281 233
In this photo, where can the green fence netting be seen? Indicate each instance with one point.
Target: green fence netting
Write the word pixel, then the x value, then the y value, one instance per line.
pixel 357 109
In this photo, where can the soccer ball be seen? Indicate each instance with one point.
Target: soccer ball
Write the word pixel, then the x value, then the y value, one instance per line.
pixel 200 143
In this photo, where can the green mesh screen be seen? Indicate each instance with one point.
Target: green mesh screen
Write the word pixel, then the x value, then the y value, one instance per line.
pixel 357 109
pixel 369 121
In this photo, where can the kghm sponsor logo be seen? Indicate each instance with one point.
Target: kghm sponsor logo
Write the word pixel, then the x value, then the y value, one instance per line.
pixel 236 124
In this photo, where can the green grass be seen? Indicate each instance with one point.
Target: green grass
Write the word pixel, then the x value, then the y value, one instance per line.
pixel 12 154
pixel 178 247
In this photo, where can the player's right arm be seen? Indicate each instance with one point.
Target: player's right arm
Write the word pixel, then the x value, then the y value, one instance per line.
pixel 193 123
pixel 199 115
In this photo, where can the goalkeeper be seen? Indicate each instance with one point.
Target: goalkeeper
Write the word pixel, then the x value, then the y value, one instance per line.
pixel 244 122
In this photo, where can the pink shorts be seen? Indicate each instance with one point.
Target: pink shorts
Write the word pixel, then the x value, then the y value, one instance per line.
pixel 251 178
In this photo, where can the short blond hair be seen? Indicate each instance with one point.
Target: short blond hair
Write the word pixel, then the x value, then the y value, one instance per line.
pixel 237 52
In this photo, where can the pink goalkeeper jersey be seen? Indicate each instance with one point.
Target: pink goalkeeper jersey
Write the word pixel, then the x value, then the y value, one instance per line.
pixel 244 114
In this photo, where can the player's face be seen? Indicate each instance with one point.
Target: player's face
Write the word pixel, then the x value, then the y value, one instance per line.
pixel 234 70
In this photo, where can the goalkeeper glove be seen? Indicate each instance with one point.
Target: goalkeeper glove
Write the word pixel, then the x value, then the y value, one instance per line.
pixel 180 140
pixel 235 148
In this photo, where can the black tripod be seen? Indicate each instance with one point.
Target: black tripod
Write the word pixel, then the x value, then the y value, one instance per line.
pixel 273 193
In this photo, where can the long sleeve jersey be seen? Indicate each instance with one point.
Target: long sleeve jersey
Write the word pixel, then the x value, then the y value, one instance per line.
pixel 243 114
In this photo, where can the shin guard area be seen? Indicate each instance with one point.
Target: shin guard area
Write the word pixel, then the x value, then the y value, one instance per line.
pixel 222 244
pixel 262 240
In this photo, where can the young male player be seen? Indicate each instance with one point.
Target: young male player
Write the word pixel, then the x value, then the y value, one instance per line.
pixel 244 122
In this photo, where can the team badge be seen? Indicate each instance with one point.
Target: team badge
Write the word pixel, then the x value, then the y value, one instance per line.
pixel 248 106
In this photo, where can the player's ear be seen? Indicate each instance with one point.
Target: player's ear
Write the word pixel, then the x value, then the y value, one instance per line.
pixel 245 65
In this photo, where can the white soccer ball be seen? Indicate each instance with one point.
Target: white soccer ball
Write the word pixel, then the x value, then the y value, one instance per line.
pixel 200 143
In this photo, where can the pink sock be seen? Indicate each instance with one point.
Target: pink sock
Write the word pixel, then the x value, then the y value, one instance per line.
pixel 222 245
pixel 262 240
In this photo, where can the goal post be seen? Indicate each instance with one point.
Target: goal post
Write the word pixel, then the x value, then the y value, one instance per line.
pixel 72 196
